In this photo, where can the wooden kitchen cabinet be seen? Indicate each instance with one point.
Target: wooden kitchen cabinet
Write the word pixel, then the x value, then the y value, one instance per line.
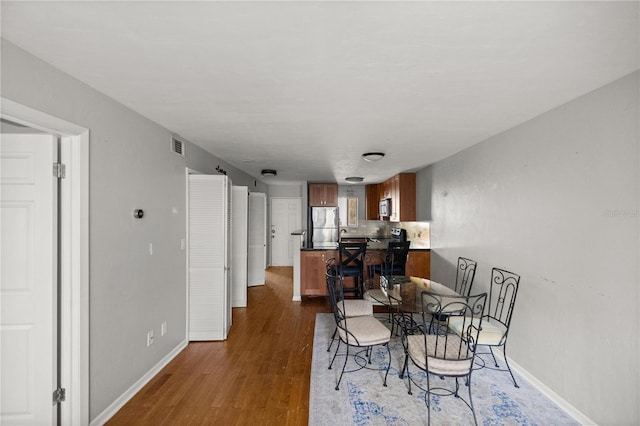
pixel 401 188
pixel 313 270
pixel 403 197
pixel 419 264
pixel 372 199
pixel 323 194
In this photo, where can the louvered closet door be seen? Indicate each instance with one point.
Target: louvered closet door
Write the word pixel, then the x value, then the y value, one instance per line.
pixel 209 222
pixel 240 219
pixel 257 249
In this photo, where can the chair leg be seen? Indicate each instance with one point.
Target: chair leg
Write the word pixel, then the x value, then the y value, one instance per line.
pixel 504 353
pixel 427 397
pixel 494 357
pixel 346 358
pixel 388 365
pixel 473 411
pixel 333 336
pixel 405 366
pixel 334 355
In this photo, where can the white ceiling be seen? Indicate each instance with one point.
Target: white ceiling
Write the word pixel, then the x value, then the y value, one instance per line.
pixel 307 87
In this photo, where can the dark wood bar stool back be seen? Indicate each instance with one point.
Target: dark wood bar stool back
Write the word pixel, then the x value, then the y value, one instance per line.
pixel 351 264
pixel 395 260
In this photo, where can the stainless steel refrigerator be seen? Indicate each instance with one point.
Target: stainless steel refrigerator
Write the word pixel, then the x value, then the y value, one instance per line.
pixel 324 227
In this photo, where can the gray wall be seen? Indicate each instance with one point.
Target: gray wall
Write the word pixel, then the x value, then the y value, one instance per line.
pixel 202 161
pixel 556 200
pixel 355 191
pixel 131 166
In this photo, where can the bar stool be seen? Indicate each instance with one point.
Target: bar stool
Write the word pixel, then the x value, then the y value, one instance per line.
pixel 395 260
pixel 351 264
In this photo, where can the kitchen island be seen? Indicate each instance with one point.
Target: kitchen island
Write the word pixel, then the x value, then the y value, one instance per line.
pixel 312 264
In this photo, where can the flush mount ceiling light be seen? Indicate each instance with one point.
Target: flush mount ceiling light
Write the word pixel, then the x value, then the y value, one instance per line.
pixel 268 172
pixel 372 156
pixel 354 179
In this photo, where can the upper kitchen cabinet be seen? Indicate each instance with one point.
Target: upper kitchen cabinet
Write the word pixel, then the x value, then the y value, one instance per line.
pixel 323 194
pixel 401 189
pixel 403 197
pixel 372 196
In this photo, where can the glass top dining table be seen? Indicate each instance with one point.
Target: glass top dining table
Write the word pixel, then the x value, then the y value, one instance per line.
pixel 406 292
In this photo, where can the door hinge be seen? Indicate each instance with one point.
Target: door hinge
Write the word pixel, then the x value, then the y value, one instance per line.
pixel 59 170
pixel 59 395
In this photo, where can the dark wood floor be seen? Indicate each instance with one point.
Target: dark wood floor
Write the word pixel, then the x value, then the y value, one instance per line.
pixel 258 376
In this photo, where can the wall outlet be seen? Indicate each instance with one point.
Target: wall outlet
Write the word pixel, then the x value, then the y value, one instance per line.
pixel 149 338
pixel 163 328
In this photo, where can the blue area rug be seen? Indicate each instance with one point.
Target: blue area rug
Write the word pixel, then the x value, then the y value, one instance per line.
pixel 362 400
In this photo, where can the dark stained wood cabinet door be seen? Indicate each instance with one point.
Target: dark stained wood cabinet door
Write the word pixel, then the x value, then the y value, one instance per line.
pixel 331 194
pixel 419 264
pixel 323 194
pixel 372 201
pixel 312 273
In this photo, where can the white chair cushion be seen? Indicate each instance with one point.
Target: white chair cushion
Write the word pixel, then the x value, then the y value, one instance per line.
pixel 491 333
pixel 364 331
pixel 356 308
pixel 443 363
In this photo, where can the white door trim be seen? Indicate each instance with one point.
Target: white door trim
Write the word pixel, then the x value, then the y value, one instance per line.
pixel 74 203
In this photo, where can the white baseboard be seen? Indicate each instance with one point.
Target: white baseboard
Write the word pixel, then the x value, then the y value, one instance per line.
pixel 557 399
pixel 112 409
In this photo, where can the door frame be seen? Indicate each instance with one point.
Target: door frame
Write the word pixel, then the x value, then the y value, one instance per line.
pixel 74 253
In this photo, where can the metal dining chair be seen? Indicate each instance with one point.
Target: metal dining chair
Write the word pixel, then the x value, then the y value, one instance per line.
pixel 359 334
pixel 349 308
pixel 496 322
pixel 442 354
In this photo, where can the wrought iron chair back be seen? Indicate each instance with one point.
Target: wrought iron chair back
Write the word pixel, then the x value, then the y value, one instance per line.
pixel 465 274
pixel 502 296
pixel 335 291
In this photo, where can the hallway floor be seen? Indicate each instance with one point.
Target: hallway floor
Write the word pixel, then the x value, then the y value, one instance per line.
pixel 260 375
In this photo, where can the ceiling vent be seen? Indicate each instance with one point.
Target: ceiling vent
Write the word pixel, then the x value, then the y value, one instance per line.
pixel 177 146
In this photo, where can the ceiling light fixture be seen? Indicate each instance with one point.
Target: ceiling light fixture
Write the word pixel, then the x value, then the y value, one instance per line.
pixel 372 156
pixel 354 179
pixel 268 172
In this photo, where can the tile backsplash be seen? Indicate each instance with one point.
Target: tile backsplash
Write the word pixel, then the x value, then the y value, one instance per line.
pixel 417 232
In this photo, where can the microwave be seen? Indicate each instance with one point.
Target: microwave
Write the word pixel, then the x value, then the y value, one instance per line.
pixel 384 209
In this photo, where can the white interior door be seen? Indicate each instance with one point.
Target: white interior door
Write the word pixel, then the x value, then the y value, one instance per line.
pixel 257 261
pixel 28 324
pixel 285 218
pixel 240 222
pixel 208 256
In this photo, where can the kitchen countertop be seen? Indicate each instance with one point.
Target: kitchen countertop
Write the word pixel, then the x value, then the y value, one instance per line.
pixel 372 244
